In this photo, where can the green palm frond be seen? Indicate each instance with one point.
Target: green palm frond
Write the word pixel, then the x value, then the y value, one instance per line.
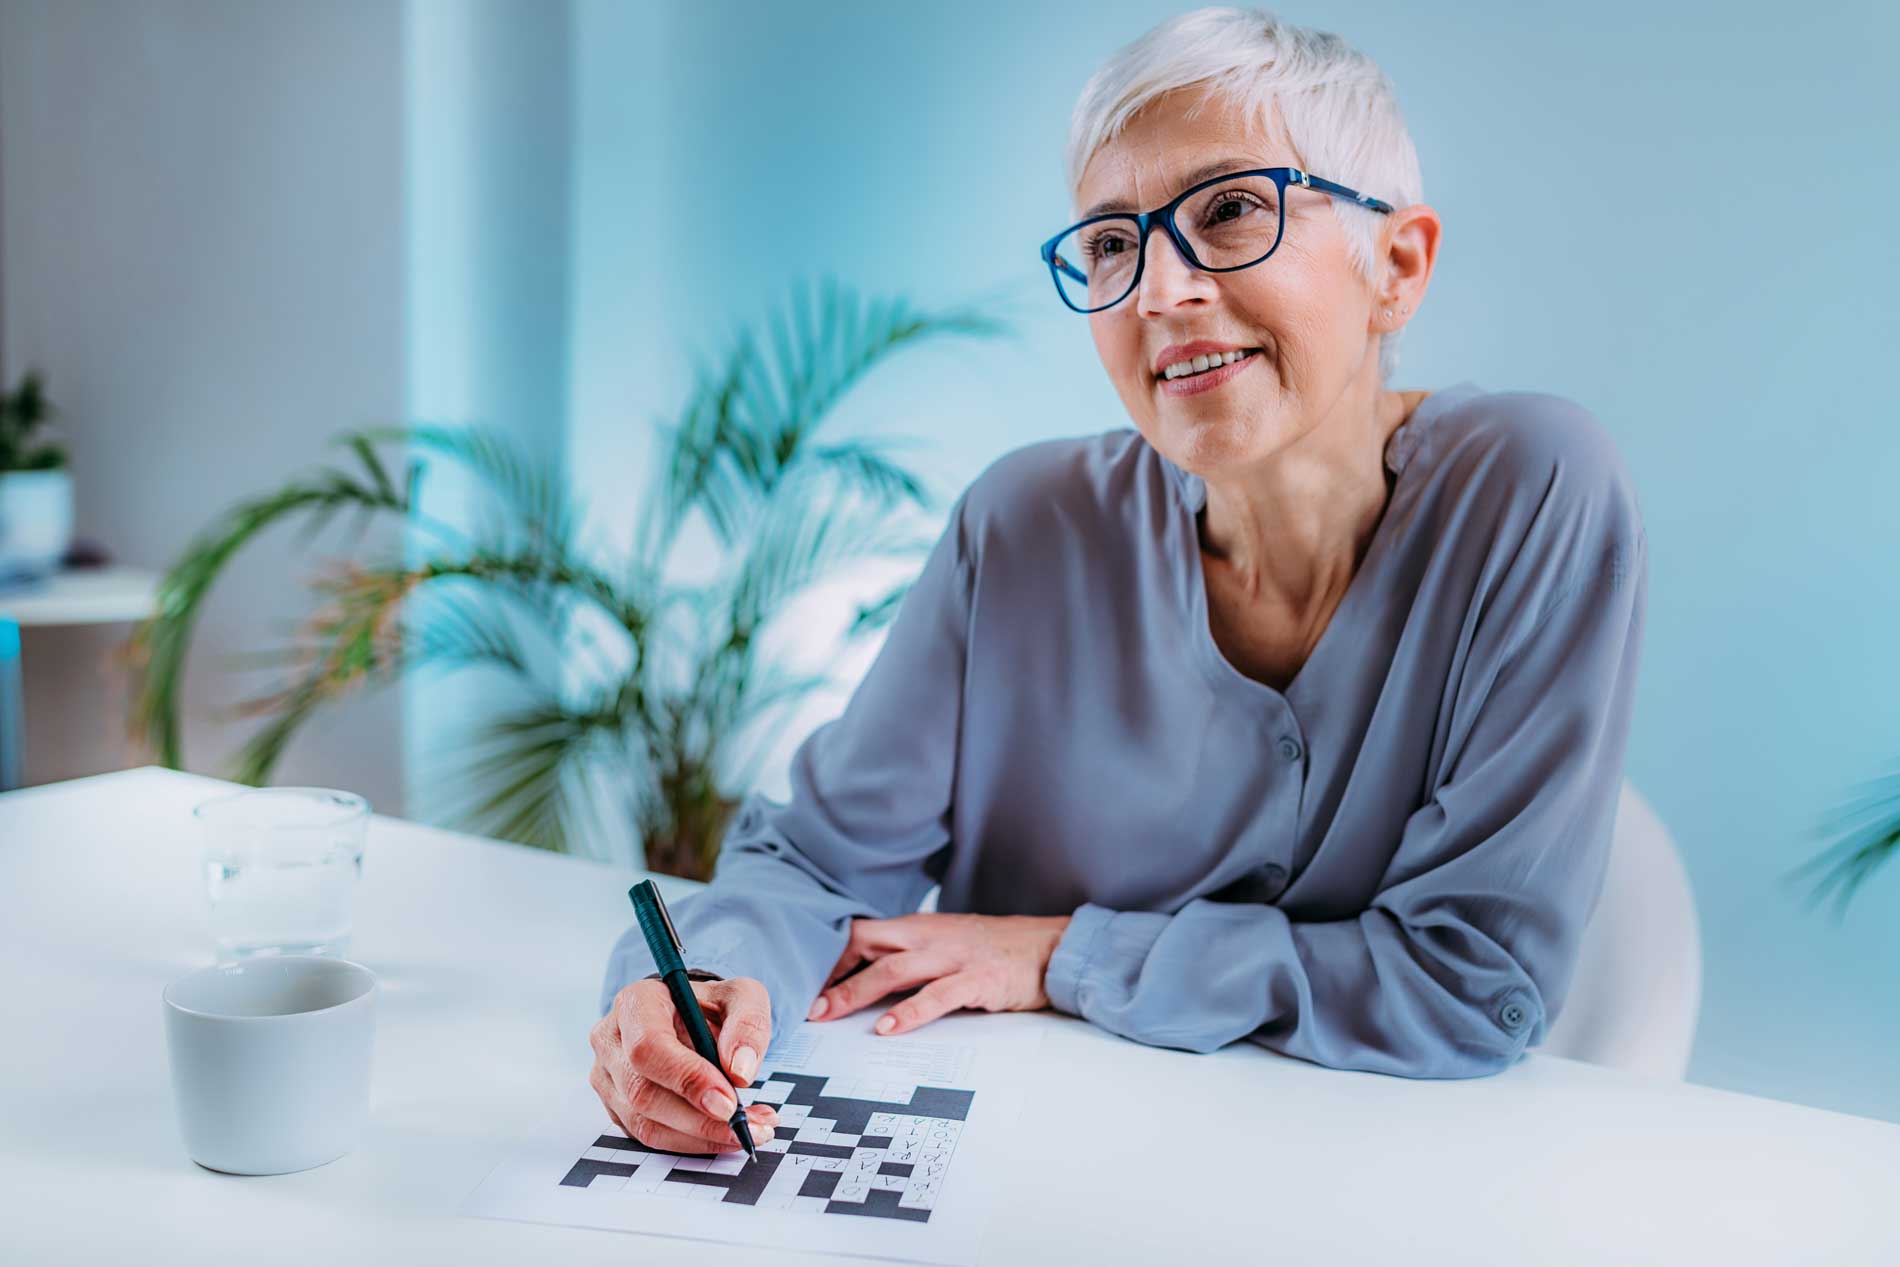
pixel 531 489
pixel 792 548
pixel 707 455
pixel 519 764
pixel 880 613
pixel 863 466
pixel 158 645
pixel 261 752
pixel 839 339
pixel 771 689
pixel 545 583
pixel 747 425
pixel 692 716
pixel 1867 834
pixel 354 640
pixel 795 543
pixel 458 630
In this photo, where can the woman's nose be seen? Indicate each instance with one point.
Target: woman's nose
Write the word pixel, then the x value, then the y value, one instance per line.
pixel 1167 278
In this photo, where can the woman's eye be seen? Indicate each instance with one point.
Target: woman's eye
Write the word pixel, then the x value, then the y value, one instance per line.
pixel 1220 210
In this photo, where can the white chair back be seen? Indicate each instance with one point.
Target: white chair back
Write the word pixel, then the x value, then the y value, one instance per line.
pixel 1638 985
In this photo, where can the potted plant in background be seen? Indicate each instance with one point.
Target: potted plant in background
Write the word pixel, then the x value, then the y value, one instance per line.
pixel 786 504
pixel 36 491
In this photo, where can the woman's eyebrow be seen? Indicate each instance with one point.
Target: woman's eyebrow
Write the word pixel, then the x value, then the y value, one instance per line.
pixel 1206 171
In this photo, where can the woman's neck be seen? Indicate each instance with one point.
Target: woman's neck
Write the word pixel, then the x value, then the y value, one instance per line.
pixel 1295 527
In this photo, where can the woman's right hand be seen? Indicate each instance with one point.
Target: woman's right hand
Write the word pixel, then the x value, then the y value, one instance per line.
pixel 660 1091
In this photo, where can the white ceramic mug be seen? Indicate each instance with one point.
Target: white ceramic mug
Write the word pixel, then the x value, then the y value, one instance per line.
pixel 270 1061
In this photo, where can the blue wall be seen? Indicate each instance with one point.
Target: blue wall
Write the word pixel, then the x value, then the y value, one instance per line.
pixel 1681 219
pixel 487 105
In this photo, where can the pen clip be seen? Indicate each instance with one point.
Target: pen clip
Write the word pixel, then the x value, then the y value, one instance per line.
pixel 659 904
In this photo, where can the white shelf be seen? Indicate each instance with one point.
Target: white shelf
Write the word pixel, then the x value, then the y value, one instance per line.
pixel 84 596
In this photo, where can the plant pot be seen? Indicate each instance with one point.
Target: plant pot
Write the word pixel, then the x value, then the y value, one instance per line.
pixel 36 522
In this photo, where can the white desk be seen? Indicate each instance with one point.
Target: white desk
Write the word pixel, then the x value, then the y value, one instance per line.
pixel 74 596
pixel 491 956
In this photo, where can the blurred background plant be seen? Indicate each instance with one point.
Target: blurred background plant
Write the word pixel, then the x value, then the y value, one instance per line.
pixel 23 411
pixel 785 506
pixel 1865 832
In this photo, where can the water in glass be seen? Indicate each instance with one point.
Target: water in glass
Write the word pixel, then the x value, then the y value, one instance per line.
pixel 280 868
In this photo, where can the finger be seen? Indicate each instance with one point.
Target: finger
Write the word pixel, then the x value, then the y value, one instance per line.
pixel 715 1137
pixel 608 1056
pixel 604 1038
pixel 848 962
pixel 643 1005
pixel 720 1140
pixel 860 948
pixel 745 1030
pixel 659 1135
pixel 653 1049
pixel 610 1099
pixel 893 972
pixel 656 1104
pixel 942 996
pixel 880 937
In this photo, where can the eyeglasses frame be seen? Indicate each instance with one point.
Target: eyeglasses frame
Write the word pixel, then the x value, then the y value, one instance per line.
pixel 1164 216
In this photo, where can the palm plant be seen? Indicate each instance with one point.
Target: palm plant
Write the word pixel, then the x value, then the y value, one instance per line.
pixel 785 505
pixel 1866 833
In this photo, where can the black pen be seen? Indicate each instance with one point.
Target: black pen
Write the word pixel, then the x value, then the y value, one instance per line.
pixel 664 941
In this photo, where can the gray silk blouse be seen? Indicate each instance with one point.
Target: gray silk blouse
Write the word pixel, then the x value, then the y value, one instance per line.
pixel 1385 867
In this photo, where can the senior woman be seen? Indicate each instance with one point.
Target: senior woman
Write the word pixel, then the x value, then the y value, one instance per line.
pixel 1297 713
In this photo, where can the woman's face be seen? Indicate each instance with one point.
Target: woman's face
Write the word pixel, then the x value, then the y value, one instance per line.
pixel 1305 308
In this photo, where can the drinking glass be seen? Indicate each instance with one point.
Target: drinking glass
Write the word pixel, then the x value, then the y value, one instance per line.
pixel 280 868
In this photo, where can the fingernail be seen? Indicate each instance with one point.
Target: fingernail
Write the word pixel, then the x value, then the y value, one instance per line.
pixel 719 1104
pixel 762 1134
pixel 817 1008
pixel 744 1061
pixel 885 1024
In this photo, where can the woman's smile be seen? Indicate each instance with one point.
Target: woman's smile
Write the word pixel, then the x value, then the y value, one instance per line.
pixel 1206 380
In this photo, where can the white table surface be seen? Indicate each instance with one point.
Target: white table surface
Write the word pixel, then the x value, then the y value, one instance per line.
pixel 491 958
pixel 83 596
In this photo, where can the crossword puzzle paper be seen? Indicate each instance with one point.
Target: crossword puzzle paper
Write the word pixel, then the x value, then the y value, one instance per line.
pixel 878 1150
pixel 842 1146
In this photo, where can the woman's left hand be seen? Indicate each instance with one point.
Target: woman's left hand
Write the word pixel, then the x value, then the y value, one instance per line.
pixel 994 963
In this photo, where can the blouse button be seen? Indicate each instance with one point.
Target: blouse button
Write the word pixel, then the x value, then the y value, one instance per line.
pixel 1289 748
pixel 1512 1014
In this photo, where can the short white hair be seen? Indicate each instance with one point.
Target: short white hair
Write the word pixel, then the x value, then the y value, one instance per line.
pixel 1340 110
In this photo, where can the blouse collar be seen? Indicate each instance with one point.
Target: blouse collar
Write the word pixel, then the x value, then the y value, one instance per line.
pixel 1399 448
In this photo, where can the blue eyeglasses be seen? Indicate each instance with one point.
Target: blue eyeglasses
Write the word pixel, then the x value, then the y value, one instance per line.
pixel 1096 264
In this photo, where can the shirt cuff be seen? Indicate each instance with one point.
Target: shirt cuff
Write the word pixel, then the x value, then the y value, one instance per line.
pixel 1067 965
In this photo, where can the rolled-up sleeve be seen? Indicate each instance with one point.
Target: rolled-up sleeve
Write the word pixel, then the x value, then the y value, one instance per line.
pixel 867 823
pixel 1464 956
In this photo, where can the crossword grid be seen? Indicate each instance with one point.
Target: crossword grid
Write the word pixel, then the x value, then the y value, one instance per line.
pixel 842 1146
